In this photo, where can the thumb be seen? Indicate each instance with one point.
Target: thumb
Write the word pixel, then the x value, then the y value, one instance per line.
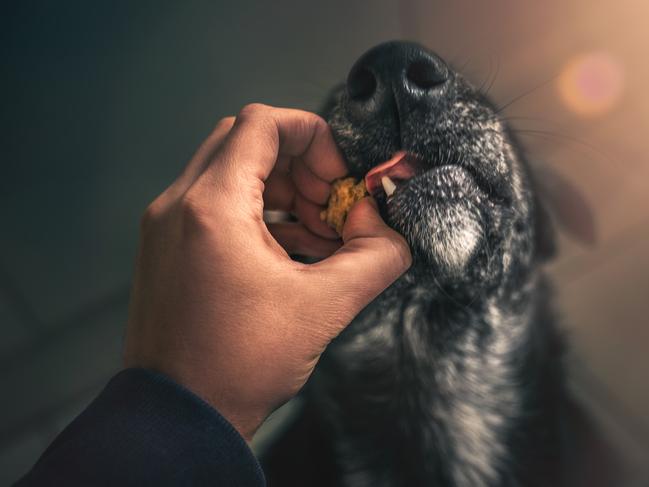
pixel 373 257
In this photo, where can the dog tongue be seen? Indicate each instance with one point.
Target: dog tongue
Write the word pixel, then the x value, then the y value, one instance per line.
pixel 400 167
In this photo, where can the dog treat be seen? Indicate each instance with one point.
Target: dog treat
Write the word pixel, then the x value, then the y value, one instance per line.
pixel 344 193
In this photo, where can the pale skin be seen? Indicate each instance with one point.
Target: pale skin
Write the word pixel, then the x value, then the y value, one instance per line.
pixel 217 304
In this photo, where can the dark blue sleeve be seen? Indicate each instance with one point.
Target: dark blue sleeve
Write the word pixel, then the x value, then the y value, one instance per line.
pixel 145 429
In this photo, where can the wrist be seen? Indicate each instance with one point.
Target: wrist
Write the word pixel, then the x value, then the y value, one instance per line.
pixel 244 418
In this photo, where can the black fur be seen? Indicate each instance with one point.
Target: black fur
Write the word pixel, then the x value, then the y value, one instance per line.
pixel 453 376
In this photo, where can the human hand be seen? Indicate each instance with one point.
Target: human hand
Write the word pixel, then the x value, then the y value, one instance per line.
pixel 217 304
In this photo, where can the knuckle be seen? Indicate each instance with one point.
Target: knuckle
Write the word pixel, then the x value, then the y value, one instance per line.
pixel 195 213
pixel 252 110
pixel 317 125
pixel 151 215
pixel 319 122
pixel 225 123
pixel 311 123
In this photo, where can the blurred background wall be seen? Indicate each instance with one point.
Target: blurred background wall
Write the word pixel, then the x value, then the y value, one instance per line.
pixel 104 102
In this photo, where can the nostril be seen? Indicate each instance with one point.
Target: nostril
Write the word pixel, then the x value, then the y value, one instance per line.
pixel 361 84
pixel 424 74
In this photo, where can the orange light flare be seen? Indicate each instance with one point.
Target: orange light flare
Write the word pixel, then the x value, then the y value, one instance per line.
pixel 591 84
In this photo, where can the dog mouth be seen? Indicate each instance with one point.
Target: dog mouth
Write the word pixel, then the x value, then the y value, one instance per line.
pixel 385 177
pixel 451 181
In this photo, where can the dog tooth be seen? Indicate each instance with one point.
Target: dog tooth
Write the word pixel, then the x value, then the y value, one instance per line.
pixel 388 185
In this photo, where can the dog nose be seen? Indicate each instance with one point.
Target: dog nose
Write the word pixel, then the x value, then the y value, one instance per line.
pixel 390 78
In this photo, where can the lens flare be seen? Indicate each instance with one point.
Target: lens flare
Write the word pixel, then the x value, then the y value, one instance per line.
pixel 591 84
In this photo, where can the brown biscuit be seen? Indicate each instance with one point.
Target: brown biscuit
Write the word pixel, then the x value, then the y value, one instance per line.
pixel 344 193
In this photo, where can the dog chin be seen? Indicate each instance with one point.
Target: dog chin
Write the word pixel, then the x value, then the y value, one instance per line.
pixel 448 236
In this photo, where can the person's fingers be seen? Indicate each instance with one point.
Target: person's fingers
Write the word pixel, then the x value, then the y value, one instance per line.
pixel 201 159
pixel 309 214
pixel 283 163
pixel 279 192
pixel 373 257
pixel 295 238
pixel 261 134
pixel 309 185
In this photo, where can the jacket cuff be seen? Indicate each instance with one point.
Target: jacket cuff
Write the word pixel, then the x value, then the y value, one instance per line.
pixel 145 429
